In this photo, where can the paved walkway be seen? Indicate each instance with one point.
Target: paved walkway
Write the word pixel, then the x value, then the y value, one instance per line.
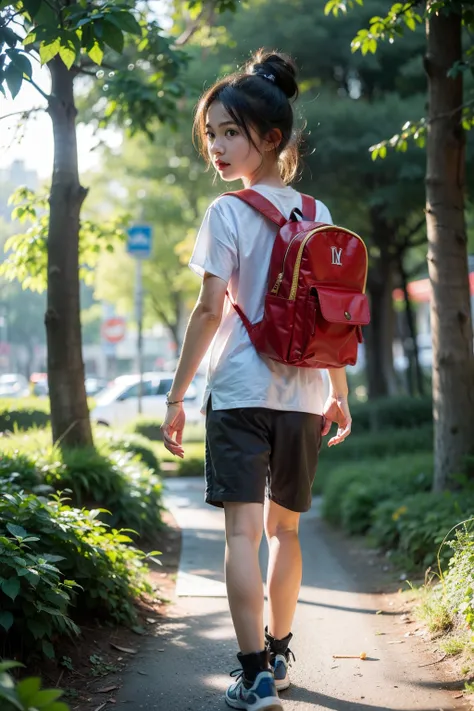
pixel 185 667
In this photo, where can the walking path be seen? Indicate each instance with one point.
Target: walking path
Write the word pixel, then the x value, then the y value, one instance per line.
pixel 185 667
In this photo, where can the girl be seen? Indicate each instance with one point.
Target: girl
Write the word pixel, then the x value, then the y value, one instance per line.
pixel 264 419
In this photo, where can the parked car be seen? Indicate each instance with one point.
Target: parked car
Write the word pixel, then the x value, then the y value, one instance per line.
pixel 13 385
pixel 95 385
pixel 117 405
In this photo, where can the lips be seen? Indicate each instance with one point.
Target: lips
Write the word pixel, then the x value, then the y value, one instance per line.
pixel 220 165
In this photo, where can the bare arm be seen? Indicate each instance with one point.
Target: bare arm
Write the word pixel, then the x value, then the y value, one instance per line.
pixel 338 378
pixel 202 327
pixel 336 408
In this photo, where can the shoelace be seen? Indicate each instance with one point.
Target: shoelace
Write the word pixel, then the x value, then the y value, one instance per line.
pixel 237 673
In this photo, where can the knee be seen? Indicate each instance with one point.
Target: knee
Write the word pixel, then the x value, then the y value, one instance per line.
pixel 281 529
pixel 240 525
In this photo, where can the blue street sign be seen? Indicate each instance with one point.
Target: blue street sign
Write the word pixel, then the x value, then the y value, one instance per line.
pixel 139 241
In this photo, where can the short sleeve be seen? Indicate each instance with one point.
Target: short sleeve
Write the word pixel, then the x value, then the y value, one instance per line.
pixel 215 250
pixel 323 214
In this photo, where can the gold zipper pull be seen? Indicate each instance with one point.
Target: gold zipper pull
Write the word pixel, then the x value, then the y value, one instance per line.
pixel 277 284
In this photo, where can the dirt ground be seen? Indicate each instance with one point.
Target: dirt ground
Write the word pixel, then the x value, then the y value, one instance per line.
pixel 97 659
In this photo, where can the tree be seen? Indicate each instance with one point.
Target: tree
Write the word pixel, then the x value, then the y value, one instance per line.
pixel 449 113
pixel 71 40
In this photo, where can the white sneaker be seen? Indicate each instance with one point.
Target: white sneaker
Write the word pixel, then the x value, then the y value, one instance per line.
pixel 262 695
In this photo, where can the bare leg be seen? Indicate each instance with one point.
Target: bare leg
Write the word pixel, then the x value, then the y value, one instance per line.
pixel 243 530
pixel 284 567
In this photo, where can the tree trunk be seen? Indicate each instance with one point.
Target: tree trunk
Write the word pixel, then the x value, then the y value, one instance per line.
pixel 69 410
pixel 453 361
pixel 379 334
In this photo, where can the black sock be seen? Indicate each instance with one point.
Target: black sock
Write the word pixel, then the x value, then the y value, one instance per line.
pixel 253 664
pixel 276 646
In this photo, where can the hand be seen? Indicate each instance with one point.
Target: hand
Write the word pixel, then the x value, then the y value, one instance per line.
pixel 172 429
pixel 336 409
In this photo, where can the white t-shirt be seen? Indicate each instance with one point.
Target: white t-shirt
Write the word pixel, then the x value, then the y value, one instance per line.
pixel 235 243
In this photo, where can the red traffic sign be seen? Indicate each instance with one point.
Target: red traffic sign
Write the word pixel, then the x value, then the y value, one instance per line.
pixel 113 329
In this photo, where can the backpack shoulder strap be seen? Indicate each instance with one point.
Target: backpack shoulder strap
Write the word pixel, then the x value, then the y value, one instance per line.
pixel 261 204
pixel 308 207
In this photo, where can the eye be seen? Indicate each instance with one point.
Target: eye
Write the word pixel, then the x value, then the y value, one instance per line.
pixel 209 135
pixel 231 132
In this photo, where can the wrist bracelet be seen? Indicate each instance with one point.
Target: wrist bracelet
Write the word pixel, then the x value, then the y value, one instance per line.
pixel 172 402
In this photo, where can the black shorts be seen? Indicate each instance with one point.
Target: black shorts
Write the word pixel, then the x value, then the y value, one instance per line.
pixel 253 451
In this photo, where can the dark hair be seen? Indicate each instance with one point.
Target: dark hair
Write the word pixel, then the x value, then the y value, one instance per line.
pixel 258 97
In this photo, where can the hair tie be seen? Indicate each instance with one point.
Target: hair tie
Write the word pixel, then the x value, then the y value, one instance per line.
pixel 268 77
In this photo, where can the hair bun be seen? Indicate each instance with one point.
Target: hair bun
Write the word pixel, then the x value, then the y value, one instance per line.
pixel 281 66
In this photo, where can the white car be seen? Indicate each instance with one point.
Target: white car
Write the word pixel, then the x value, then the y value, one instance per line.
pixel 13 385
pixel 117 405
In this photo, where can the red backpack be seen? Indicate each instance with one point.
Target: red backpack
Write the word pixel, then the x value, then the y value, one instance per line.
pixel 316 304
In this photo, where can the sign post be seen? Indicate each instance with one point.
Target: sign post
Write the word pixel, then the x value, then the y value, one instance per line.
pixel 139 244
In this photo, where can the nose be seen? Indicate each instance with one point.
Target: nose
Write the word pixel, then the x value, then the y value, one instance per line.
pixel 216 147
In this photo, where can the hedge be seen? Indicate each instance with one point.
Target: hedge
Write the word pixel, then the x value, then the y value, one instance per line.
pixel 352 492
pixel 112 476
pixel 398 412
pixel 23 414
pixel 58 563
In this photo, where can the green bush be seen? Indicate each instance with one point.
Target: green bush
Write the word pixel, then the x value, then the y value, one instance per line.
pixel 194 466
pixel 23 414
pixel 26 695
pixel 147 427
pixel 458 584
pixel 400 412
pixel 104 477
pixel 416 525
pixel 352 492
pixel 134 444
pixel 58 562
pixel 368 445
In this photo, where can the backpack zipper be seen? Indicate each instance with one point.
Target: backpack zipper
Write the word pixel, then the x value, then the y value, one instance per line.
pixel 296 271
pixel 277 284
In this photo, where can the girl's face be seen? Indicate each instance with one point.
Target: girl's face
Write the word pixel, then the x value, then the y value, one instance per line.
pixel 230 151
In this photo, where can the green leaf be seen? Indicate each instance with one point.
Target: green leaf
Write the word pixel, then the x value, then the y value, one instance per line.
pixel 11 587
pixel 5 666
pixel 49 51
pixel 6 619
pixel 32 7
pixel 96 53
pixel 68 55
pixel 48 649
pixel 14 78
pixel 16 531
pixel 27 690
pixel 113 36
pixel 46 697
pixel 125 21
pixel 21 62
pixel 10 37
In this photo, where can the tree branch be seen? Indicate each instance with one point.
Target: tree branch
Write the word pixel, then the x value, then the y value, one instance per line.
pixel 39 89
pixel 408 236
pixel 186 35
pixel 26 113
pixel 161 314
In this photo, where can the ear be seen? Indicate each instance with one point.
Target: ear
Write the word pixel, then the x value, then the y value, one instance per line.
pixel 273 139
